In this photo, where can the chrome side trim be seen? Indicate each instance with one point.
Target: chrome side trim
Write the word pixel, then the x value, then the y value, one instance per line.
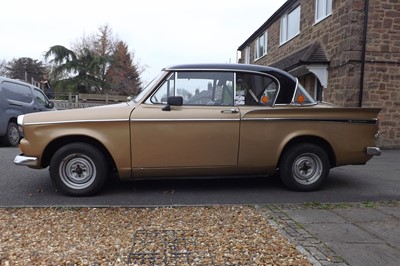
pixel 76 121
pixel 25 160
pixel 293 104
pixel 374 151
pixel 353 121
pixel 183 120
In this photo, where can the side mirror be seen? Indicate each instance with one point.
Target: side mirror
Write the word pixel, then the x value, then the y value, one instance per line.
pixel 50 105
pixel 173 101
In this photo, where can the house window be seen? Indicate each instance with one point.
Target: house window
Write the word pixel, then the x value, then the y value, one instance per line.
pixel 323 8
pixel 247 55
pixel 261 46
pixel 290 25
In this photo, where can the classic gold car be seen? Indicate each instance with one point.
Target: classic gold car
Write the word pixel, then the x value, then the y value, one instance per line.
pixel 201 120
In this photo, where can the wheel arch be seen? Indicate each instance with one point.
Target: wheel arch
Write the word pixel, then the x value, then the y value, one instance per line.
pixel 7 137
pixel 312 140
pixel 53 146
pixel 13 119
pixel 10 119
pixel 7 120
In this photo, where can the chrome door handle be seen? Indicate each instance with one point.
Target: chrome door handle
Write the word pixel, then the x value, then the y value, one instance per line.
pixel 230 111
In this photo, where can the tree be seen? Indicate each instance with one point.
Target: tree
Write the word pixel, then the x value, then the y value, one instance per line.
pixel 103 46
pixel 3 69
pixel 97 63
pixel 26 68
pixel 103 43
pixel 80 71
pixel 123 75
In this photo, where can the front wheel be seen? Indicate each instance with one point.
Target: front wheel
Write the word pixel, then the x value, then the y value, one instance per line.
pixel 79 169
pixel 304 167
pixel 12 136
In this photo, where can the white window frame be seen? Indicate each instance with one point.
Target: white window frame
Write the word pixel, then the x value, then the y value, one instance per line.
pixel 247 55
pixel 315 88
pixel 287 22
pixel 262 39
pixel 326 9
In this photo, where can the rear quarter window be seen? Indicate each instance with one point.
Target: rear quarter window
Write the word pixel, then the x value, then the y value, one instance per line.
pixel 17 92
pixel 253 89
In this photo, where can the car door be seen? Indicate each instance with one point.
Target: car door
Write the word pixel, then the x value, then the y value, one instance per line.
pixel 202 132
pixel 41 103
pixel 259 135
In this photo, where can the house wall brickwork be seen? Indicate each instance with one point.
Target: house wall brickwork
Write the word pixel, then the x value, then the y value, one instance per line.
pixel 341 36
pixel 382 68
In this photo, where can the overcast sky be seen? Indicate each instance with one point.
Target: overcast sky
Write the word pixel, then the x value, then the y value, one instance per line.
pixel 161 33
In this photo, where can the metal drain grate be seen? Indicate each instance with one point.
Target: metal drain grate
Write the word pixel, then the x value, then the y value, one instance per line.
pixel 167 247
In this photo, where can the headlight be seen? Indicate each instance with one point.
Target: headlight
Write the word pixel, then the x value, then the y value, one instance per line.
pixel 20 121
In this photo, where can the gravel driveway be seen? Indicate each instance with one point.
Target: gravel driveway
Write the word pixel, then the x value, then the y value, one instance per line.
pixel 220 235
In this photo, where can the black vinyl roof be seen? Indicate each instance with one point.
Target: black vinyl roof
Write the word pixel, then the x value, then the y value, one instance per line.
pixel 232 67
pixel 287 82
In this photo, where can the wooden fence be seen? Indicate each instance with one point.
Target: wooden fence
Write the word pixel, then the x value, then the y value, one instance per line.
pixel 83 100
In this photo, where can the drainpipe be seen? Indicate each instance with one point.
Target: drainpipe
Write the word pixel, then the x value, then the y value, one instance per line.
pixel 364 50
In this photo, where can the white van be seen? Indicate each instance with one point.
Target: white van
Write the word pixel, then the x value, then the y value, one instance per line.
pixel 17 98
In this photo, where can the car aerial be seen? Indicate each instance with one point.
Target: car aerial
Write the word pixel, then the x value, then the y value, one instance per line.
pixel 201 120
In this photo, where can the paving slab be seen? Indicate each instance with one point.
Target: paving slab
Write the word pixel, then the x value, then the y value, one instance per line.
pixel 358 233
pixel 342 233
pixel 354 215
pixel 389 231
pixel 390 210
pixel 366 254
pixel 309 216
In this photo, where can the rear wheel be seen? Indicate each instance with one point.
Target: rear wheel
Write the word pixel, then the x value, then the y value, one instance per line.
pixel 79 169
pixel 304 167
pixel 12 136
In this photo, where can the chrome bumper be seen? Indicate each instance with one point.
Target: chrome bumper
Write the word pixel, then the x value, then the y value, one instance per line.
pixel 374 151
pixel 25 160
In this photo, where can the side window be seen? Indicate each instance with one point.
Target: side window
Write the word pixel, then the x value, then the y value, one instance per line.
pixel 40 98
pixel 302 97
pixel 205 88
pixel 164 91
pixel 253 89
pixel 197 88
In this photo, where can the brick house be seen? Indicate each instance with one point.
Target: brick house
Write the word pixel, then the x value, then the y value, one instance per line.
pixel 346 52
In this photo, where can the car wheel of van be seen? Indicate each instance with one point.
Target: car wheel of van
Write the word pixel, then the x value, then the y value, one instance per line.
pixel 12 136
pixel 79 169
pixel 304 167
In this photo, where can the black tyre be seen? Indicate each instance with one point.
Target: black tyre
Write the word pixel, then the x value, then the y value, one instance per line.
pixel 304 167
pixel 79 169
pixel 12 136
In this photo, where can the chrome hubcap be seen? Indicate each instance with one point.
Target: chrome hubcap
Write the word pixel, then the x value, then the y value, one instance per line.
pixel 77 171
pixel 307 168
